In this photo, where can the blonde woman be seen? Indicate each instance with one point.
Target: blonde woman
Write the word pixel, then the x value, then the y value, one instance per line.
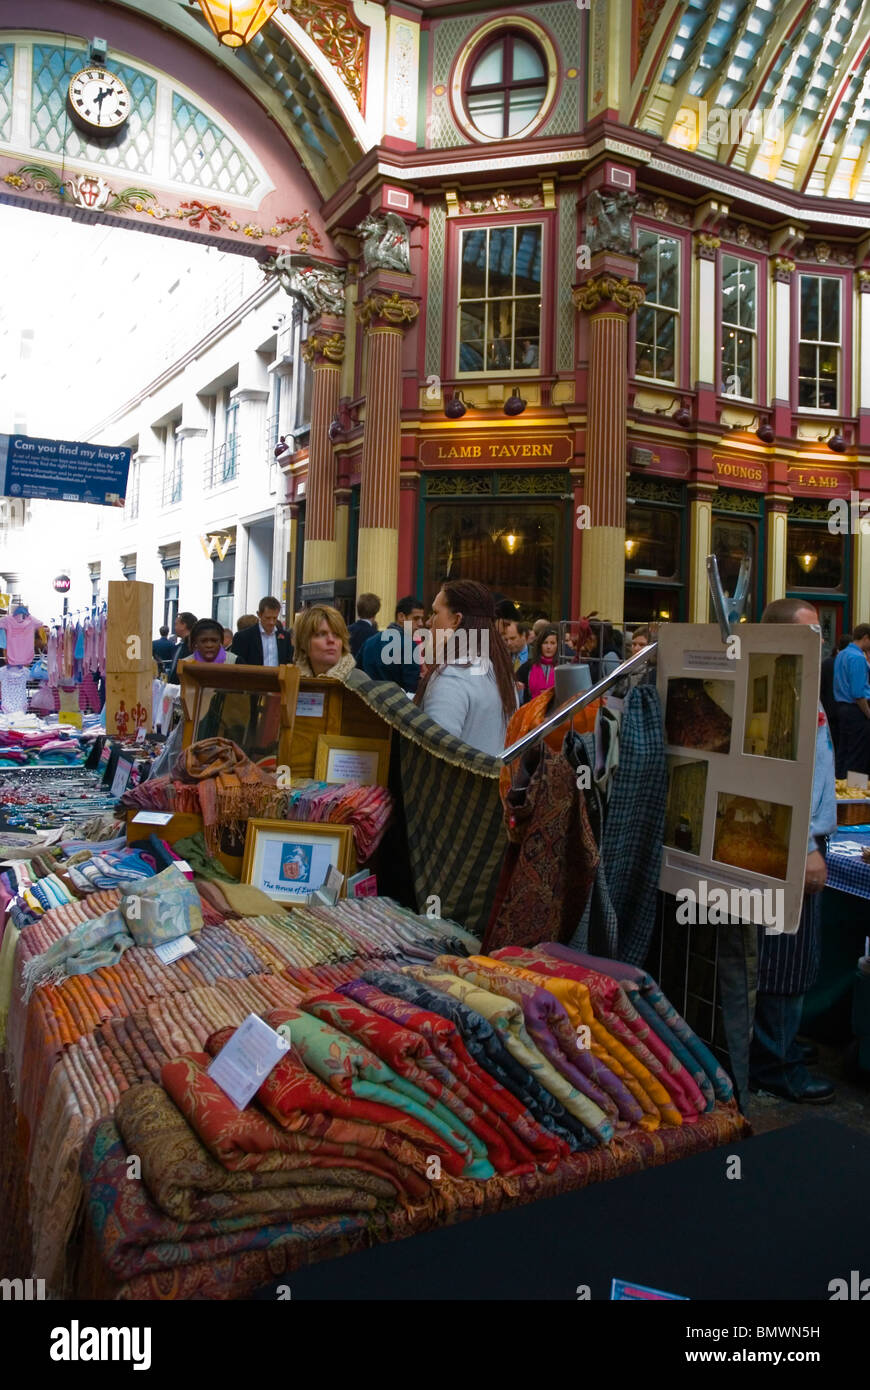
pixel 322 643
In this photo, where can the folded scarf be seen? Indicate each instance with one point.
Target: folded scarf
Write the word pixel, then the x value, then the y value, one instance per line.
pixel 230 788
pixel 98 942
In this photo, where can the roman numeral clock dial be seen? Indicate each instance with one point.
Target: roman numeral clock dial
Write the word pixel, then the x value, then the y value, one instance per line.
pixel 98 101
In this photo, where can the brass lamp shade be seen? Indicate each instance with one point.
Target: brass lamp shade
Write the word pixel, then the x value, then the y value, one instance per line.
pixel 235 24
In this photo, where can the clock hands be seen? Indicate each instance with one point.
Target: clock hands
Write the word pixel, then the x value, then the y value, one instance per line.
pixel 100 98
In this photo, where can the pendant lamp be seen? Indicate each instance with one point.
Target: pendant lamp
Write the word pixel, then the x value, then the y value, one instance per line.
pixel 235 22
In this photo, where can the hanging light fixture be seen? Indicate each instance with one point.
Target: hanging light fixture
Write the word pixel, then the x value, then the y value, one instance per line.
pixel 510 542
pixel 514 405
pixel 235 24
pixel 630 547
pixel 807 562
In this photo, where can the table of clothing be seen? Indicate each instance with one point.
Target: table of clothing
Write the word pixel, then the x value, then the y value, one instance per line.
pixel 424 1081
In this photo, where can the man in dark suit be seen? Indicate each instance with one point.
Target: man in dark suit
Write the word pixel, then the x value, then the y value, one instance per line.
pixel 367 608
pixel 262 644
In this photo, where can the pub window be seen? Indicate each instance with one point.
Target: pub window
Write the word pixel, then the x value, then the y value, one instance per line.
pixel 732 541
pixel 514 547
pixel 820 342
pixel 814 557
pixel 652 543
pixel 739 327
pixel 657 320
pixel 500 299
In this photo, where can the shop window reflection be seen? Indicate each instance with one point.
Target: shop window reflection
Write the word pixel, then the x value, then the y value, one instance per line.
pixel 652 543
pixel 513 547
pixel 814 558
pixel 732 541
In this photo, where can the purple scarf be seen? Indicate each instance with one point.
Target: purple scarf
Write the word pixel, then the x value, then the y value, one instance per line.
pixel 221 656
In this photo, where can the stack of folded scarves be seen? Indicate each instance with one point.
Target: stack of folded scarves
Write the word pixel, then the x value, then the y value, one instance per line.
pixel 445 1081
pixel 368 810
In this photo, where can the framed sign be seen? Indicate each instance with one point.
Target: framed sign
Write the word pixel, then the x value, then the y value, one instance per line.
pixel 363 760
pixel 288 860
pixel 740 736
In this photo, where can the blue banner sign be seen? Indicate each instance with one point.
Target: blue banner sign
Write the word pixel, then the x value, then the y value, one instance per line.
pixel 61 470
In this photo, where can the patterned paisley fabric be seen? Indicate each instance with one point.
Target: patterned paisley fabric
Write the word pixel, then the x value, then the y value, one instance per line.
pixel 441 1062
pixel 507 1018
pixel 651 1003
pixel 597 1074
pixel 403 1051
pixel 531 1112
pixel 631 1035
pixel 162 908
pixel 190 1185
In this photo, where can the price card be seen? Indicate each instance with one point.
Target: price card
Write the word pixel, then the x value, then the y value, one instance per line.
pixel 309 704
pixel 140 734
pixel 152 818
pixel 174 950
pixel 857 779
pixel 122 776
pixel 68 716
pixel 332 883
pixel 241 1067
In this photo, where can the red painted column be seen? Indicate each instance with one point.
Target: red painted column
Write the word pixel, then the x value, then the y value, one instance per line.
pixel 609 299
pixel 324 352
pixel 384 318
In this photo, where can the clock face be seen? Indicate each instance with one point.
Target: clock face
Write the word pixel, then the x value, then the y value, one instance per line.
pixel 98 99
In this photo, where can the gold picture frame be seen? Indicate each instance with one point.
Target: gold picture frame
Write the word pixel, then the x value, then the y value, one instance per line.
pixel 342 758
pixel 284 858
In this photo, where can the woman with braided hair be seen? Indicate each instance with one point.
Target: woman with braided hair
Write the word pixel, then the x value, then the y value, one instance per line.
pixel 470 689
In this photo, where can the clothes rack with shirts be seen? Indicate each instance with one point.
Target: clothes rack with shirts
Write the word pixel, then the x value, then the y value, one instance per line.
pixel 77 658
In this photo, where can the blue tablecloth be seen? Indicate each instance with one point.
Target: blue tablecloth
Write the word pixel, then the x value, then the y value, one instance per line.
pixel 847 871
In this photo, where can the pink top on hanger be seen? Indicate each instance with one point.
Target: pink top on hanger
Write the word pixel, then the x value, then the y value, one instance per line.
pixel 20 632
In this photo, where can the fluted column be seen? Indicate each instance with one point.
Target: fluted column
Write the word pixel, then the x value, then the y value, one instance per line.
pixel 701 497
pixel 384 318
pixel 609 300
pixel 776 545
pixel 324 352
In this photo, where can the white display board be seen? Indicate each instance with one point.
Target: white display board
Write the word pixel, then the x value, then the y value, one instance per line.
pixel 740 732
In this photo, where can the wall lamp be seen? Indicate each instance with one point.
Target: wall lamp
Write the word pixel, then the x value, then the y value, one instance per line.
pixel 834 440
pixel 455 407
pixel 763 429
pixel 515 405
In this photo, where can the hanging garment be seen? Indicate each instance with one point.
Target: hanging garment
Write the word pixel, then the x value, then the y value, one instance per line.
pixel 620 913
pixel 551 863
pixel 20 632
pixel 13 689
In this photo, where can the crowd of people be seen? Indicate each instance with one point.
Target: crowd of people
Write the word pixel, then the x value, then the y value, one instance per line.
pixel 438 660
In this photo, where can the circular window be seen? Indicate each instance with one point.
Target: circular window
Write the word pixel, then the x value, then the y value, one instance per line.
pixel 504 81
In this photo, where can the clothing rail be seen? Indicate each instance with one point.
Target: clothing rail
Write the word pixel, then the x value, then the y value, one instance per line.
pixel 580 702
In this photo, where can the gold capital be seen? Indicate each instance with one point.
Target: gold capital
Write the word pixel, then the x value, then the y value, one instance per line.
pixel 388 308
pixel 330 346
pixel 602 289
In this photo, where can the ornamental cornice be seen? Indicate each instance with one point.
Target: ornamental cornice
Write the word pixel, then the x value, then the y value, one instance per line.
pixel 626 294
pixel 323 345
pixel 390 309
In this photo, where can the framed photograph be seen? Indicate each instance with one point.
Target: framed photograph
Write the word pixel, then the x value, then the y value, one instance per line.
pixel 343 759
pixel 288 860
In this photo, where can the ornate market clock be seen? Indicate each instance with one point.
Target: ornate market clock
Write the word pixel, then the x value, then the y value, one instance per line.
pixel 98 101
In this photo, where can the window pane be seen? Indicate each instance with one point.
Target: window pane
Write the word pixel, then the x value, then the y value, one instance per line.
pixel 830 327
pixel 473 276
pixel 747 296
pixel 730 291
pixel 500 335
pixel 829 359
pixel 471 338
pixel 471 542
pixel 528 268
pixel 523 106
pixel 528 318
pixel 644 340
pixel 652 543
pixel 487 112
pixel 815 558
pixel 527 61
pixel 665 345
pixel 810 307
pixel 668 268
pixel 489 67
pixel 501 261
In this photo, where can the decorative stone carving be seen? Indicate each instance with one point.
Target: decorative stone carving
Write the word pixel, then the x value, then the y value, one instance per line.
pixel 391 309
pixel 328 345
pixel 706 246
pixel 602 289
pixel 320 287
pixel 385 242
pixel 863 279
pixel 782 269
pixel 608 222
